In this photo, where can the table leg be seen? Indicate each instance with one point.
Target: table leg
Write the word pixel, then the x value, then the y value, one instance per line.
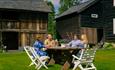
pixel 51 62
pixel 66 66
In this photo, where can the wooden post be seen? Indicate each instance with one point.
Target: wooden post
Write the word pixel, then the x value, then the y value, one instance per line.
pixel 23 39
pixel 66 66
pixel 38 25
pixel 51 62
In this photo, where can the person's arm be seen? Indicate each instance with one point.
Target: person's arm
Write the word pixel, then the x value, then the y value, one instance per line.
pixel 56 43
pixel 38 44
pixel 42 46
pixel 35 44
pixel 53 43
pixel 81 44
pixel 46 43
pixel 69 44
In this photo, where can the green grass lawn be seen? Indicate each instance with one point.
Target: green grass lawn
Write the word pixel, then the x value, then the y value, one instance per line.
pixel 105 60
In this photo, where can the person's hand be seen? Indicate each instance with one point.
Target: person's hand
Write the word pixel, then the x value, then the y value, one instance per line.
pixel 63 45
pixel 47 46
pixel 44 49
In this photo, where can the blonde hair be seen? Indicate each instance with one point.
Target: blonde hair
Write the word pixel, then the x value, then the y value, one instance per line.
pixel 49 35
pixel 75 36
pixel 84 38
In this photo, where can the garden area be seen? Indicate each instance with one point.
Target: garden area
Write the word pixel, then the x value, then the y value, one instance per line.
pixel 18 60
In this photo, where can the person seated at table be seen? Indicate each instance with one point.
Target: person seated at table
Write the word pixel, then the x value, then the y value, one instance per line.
pixel 49 42
pixel 39 47
pixel 76 42
pixel 84 40
pixel 41 50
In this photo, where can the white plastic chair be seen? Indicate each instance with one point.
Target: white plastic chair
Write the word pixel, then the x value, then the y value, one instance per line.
pixel 35 58
pixel 41 59
pixel 30 55
pixel 85 60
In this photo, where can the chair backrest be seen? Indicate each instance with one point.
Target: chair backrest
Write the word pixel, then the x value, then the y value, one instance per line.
pixel 82 51
pixel 86 45
pixel 34 52
pixel 35 58
pixel 38 57
pixel 30 54
pixel 28 51
pixel 88 53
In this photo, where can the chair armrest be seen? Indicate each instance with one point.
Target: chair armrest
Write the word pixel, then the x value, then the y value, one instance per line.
pixel 76 57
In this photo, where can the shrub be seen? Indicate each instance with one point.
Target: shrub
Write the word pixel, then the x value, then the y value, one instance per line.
pixel 108 45
pixel 63 41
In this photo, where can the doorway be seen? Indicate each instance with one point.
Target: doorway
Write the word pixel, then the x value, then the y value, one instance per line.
pixel 10 39
pixel 100 35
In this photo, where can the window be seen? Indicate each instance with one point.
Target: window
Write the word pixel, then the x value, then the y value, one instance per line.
pixel 24 25
pixel 94 15
pixel 43 25
pixel 114 26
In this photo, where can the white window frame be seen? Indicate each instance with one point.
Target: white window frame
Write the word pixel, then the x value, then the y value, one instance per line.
pixel 113 25
pixel 94 16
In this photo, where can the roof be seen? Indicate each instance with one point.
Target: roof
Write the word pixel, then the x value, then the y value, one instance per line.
pixel 78 8
pixel 33 5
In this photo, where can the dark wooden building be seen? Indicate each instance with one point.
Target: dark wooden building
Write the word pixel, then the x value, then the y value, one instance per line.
pixel 93 18
pixel 21 21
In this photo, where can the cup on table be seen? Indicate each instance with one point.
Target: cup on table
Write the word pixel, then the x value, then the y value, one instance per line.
pixel 63 45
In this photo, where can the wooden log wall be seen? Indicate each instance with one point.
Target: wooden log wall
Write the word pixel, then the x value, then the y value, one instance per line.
pixel 108 15
pixel 91 34
pixel 29 38
pixel 28 25
pixel 68 26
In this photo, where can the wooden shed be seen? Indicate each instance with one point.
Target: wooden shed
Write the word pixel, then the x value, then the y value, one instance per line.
pixel 93 18
pixel 21 21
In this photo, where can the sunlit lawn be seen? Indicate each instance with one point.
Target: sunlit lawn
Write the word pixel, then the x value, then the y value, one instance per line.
pixel 105 60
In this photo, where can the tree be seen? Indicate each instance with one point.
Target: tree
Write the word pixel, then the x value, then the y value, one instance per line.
pixel 66 4
pixel 51 20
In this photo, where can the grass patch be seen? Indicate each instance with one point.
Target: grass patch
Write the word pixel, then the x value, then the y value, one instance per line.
pixel 105 60
pixel 19 61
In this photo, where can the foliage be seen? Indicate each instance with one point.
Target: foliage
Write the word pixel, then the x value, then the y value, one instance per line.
pixel 66 4
pixel 64 41
pixel 108 45
pixel 51 20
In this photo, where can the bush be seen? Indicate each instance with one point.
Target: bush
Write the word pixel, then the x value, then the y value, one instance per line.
pixel 64 41
pixel 108 45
